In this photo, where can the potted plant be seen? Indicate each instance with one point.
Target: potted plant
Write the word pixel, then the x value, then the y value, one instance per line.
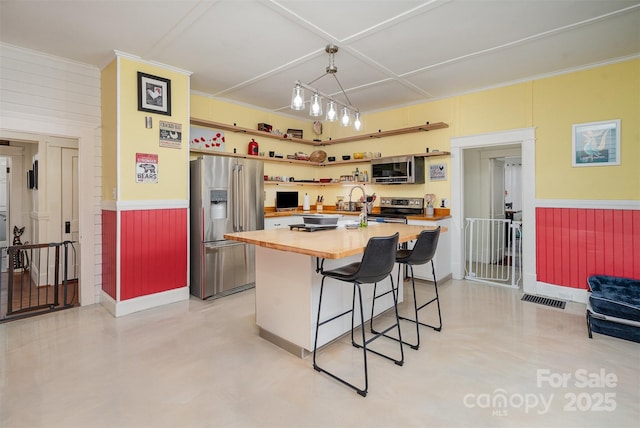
pixel 430 200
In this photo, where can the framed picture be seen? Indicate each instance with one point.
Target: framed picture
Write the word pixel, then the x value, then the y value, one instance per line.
pixel 154 94
pixel 438 172
pixel 596 143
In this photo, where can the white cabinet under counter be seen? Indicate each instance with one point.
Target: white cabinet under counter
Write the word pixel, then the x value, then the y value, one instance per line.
pixel 285 221
pixel 281 221
pixel 442 258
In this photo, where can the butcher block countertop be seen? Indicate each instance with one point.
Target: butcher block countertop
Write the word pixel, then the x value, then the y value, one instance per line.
pixel 327 244
pixel 270 212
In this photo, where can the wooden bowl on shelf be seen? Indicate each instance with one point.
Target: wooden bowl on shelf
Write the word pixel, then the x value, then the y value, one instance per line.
pixel 318 156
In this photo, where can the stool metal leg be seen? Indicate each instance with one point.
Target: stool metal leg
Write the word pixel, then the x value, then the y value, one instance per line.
pixel 435 299
pixel 362 392
pixel 377 334
pixel 365 341
pixel 416 308
pixel 315 342
pixel 395 292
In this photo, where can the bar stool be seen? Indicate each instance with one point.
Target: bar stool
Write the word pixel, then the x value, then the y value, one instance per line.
pixel 422 252
pixel 376 264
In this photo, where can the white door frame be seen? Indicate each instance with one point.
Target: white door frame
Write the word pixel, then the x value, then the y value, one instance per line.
pixel 87 135
pixel 526 138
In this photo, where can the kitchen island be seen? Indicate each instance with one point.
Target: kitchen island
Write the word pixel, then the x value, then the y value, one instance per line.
pixel 288 284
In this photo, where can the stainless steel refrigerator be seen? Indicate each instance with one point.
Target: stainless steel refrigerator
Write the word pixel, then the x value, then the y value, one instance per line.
pixel 226 195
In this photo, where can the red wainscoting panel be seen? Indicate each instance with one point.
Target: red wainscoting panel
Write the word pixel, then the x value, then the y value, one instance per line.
pixel 153 251
pixel 574 243
pixel 109 245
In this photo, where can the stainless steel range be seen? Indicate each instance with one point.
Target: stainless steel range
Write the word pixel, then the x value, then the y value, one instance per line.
pixel 396 209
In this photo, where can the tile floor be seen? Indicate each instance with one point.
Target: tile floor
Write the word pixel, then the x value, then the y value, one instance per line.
pixel 497 362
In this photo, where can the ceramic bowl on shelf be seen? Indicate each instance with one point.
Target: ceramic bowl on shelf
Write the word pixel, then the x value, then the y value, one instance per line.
pixel 346 157
pixel 331 158
pixel 325 180
pixel 358 155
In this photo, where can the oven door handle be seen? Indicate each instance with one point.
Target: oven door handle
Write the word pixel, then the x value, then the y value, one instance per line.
pixel 388 220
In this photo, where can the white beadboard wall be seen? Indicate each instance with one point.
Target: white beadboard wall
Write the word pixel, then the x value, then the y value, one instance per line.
pixel 43 94
pixel 40 84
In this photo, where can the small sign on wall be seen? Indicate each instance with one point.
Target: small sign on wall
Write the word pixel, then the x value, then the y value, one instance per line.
pixel 170 134
pixel 438 172
pixel 146 168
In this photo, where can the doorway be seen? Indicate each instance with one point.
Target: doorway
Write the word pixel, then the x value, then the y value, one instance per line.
pixel 492 238
pixel 87 136
pixel 462 194
pixel 39 194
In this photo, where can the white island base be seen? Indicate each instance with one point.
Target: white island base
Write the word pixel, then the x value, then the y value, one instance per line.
pixel 287 294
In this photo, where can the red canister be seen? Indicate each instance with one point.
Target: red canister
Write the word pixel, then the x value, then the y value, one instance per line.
pixel 253 147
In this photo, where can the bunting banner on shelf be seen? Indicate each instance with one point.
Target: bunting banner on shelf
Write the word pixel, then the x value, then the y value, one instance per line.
pixel 207 139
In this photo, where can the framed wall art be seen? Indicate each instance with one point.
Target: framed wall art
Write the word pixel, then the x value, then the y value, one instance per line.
pixel 438 172
pixel 596 143
pixel 154 94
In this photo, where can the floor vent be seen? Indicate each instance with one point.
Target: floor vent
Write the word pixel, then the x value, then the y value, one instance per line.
pixel 544 301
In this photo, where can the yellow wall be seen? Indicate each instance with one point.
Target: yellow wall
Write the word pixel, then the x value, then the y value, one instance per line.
pixel 550 105
pixel 508 107
pixel 604 93
pixel 109 95
pixel 135 138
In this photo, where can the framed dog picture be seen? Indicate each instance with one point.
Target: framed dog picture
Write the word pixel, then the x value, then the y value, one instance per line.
pixel 154 94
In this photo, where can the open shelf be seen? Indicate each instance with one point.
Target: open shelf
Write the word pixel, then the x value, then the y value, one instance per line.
pixel 263 158
pixel 390 133
pixel 248 131
pixel 316 183
pixel 303 162
pixel 380 134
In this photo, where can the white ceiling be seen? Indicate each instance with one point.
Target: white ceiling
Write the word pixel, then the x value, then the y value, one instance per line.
pixel 392 52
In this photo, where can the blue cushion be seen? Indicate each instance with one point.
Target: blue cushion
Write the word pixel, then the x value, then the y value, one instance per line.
pixel 610 328
pixel 615 297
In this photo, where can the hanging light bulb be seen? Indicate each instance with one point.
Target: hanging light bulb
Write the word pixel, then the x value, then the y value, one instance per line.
pixel 332 113
pixel 345 118
pixel 315 109
pixel 297 98
pixel 356 121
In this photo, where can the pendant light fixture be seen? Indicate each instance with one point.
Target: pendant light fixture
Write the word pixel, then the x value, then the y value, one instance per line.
pixel 332 111
pixel 315 109
pixel 315 104
pixel 345 118
pixel 297 98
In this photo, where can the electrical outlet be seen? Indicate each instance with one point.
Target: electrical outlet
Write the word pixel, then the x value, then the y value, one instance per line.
pixel 445 202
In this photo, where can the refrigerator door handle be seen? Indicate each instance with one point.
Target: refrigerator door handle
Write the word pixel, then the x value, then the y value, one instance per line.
pixel 234 193
pixel 241 197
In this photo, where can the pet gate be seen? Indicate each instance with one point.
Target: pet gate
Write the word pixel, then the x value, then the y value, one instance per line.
pixel 493 251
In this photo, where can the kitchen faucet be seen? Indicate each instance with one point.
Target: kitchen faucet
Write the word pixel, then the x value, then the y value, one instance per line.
pixel 364 203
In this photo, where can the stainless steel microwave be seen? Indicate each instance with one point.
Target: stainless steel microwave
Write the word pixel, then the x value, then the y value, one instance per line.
pixel 398 170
